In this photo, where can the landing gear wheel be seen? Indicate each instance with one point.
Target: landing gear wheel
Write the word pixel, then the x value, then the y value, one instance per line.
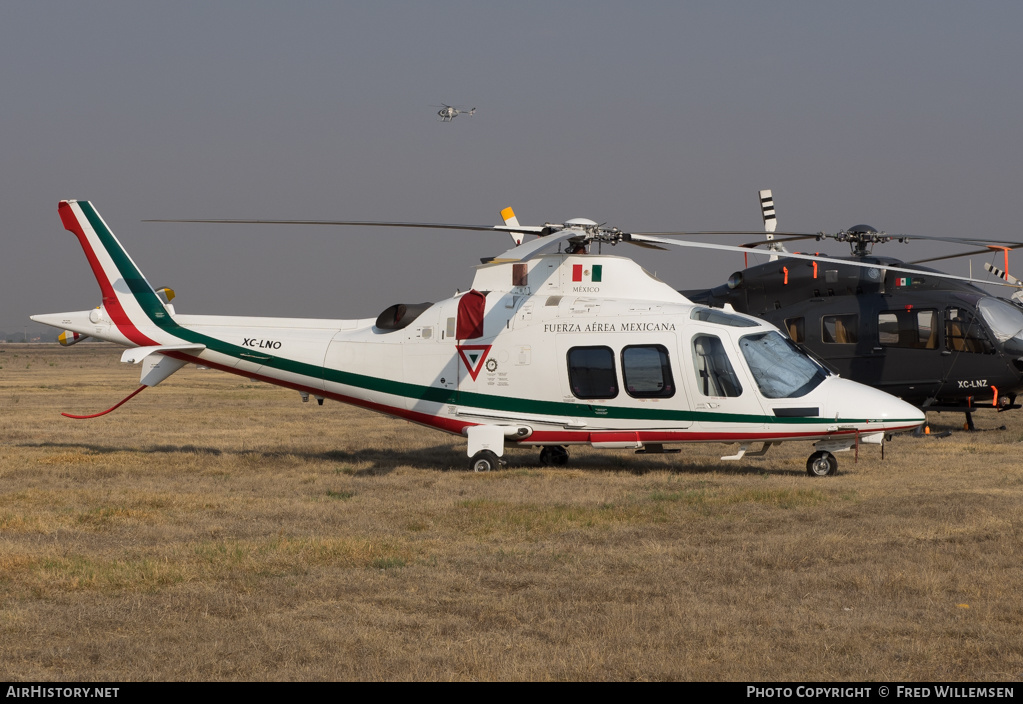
pixel 484 461
pixel 822 464
pixel 553 456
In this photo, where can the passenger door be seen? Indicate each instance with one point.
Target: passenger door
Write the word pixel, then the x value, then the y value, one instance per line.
pixel 722 392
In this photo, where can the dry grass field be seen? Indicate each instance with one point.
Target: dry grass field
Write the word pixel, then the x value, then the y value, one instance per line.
pixel 216 528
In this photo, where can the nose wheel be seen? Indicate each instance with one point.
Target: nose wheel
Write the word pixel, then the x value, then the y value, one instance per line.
pixel 553 456
pixel 822 464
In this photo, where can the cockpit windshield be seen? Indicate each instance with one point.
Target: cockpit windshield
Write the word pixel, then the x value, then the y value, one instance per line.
pixel 778 367
pixel 1004 319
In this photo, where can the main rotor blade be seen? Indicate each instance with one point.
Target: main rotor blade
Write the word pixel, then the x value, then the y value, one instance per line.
pixel 368 223
pixel 728 232
pixel 751 245
pixel 957 240
pixel 812 258
pixel 828 235
pixel 989 250
pixel 647 245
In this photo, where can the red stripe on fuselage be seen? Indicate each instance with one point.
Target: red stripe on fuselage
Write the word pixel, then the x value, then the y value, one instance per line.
pixel 547 437
pixel 110 301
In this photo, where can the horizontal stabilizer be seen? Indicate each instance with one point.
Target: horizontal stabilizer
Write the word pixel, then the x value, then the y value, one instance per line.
pixel 157 366
pixel 137 354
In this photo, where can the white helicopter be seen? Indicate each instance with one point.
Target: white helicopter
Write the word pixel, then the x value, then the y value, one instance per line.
pixel 552 346
pixel 448 113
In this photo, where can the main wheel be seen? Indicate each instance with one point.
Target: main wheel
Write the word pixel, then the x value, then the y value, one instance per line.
pixel 822 464
pixel 553 456
pixel 484 461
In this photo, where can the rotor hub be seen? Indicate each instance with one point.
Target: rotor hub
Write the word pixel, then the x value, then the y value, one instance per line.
pixel 589 231
pixel 861 238
pixel 580 222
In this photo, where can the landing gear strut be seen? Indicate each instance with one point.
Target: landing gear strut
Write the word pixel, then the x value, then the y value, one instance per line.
pixel 822 464
pixel 553 456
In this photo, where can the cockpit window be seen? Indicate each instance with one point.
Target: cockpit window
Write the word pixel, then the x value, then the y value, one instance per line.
pixel 719 317
pixel 714 373
pixel 963 333
pixel 778 367
pixel 1005 319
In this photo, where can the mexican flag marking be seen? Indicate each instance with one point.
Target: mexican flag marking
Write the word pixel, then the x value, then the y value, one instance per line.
pixel 582 273
pixel 473 356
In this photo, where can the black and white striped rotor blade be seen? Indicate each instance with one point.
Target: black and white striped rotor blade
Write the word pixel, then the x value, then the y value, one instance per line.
pixel 1002 274
pixel 767 211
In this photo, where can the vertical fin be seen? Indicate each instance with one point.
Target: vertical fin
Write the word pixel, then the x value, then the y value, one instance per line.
pixel 128 298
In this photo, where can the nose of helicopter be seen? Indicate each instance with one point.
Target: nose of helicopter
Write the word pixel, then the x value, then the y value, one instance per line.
pixel 867 406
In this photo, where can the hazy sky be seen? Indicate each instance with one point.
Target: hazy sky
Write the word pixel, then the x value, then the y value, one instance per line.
pixel 648 115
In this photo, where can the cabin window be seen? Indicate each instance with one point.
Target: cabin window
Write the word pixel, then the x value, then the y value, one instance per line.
pixel 840 329
pixel 909 329
pixel 778 367
pixel 714 373
pixel 796 329
pixel 646 371
pixel 591 372
pixel 400 316
pixel 963 332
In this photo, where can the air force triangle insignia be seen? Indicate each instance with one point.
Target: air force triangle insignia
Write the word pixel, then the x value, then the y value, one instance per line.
pixel 473 357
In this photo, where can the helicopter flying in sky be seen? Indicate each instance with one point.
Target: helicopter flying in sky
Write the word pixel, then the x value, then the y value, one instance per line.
pixel 939 343
pixel 552 346
pixel 448 113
